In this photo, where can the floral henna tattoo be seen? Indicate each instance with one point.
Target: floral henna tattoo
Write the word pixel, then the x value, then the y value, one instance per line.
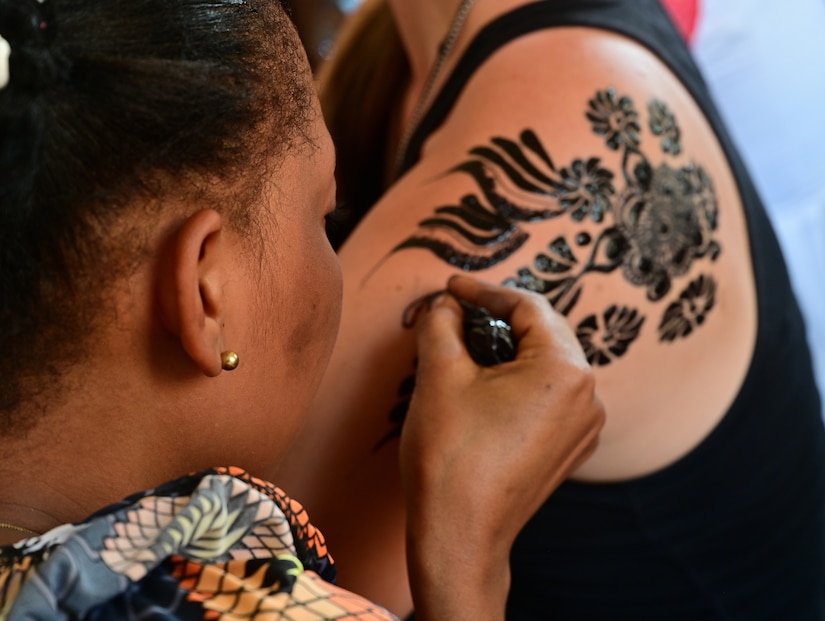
pixel 663 124
pixel 690 310
pixel 604 341
pixel 654 227
pixel 517 183
pixel 649 224
pixel 667 224
pixel 491 236
pixel 586 190
pixel 615 119
pixel 558 275
pixel 662 220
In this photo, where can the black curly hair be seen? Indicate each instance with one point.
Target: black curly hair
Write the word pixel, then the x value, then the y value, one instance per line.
pixel 111 105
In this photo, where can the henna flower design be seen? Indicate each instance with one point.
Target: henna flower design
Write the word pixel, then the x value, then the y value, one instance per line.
pixel 663 124
pixel 615 119
pixel 585 189
pixel 604 342
pixel 698 184
pixel 553 276
pixel 667 227
pixel 648 221
pixel 690 310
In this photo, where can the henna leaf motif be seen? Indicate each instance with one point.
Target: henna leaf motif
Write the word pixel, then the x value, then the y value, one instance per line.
pixel 663 124
pixel 488 236
pixel 607 338
pixel 690 310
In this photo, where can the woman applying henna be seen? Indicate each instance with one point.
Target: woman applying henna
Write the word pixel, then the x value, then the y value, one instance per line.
pixel 169 304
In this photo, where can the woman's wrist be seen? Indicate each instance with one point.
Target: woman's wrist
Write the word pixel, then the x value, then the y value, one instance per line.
pixel 457 570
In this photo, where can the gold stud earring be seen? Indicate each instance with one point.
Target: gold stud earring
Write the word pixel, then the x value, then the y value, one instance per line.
pixel 229 360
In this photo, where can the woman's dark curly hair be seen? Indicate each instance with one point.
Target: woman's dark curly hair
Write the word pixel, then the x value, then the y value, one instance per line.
pixel 111 106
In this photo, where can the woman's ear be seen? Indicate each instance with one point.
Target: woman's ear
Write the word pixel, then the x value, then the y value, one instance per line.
pixel 191 282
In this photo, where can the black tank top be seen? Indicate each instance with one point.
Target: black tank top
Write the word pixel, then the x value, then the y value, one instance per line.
pixel 735 529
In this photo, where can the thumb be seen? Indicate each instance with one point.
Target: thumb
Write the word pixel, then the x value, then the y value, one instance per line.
pixel 439 334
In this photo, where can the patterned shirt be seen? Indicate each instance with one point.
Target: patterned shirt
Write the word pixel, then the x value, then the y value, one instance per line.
pixel 215 545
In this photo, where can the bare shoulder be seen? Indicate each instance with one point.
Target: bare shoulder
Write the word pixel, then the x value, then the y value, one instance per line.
pixel 576 165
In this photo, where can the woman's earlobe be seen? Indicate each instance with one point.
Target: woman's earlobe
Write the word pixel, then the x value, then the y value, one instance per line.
pixel 191 283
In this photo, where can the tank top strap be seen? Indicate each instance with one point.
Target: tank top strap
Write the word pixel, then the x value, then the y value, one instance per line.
pixel 642 20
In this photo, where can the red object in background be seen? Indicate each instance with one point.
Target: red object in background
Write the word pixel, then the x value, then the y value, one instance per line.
pixel 685 13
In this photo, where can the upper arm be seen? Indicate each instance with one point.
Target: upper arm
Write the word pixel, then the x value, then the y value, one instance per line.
pixel 594 179
pixel 574 164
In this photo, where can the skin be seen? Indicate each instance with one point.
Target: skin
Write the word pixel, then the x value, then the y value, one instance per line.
pixel 152 401
pixel 203 290
pixel 662 399
pixel 463 442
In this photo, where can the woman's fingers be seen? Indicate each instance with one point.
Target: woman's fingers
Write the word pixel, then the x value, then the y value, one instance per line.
pixel 540 331
pixel 500 301
pixel 493 442
pixel 439 330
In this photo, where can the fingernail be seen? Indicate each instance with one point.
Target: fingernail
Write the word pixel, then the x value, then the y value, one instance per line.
pixel 419 306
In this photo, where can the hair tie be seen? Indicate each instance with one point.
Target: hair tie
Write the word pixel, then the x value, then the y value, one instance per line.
pixel 5 52
pixel 26 33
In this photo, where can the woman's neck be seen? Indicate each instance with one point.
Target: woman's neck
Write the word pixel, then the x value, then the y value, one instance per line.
pixel 422 25
pixel 88 449
pixel 21 521
pixel 433 33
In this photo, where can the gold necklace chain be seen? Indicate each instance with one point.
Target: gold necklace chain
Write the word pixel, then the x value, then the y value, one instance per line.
pixel 443 53
pixel 19 529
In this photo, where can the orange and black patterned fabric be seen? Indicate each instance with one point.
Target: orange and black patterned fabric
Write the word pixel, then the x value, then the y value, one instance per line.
pixel 216 545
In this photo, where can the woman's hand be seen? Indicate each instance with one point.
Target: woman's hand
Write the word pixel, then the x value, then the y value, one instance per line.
pixel 483 447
